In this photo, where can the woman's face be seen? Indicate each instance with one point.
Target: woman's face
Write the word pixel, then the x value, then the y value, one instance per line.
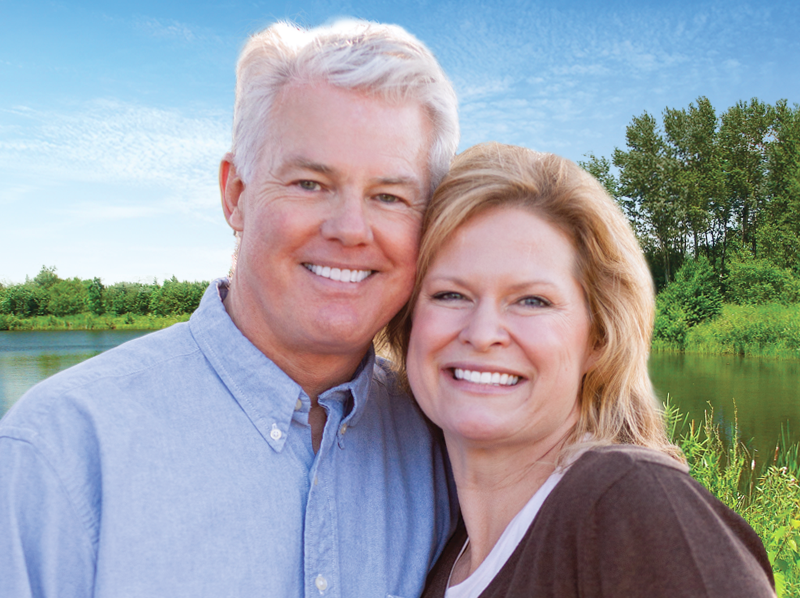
pixel 501 333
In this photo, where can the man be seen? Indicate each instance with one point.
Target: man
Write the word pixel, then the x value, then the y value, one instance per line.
pixel 260 449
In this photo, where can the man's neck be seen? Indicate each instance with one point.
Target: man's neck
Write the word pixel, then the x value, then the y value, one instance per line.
pixel 315 372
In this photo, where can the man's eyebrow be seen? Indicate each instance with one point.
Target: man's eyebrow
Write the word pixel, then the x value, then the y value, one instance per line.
pixel 309 165
pixel 399 180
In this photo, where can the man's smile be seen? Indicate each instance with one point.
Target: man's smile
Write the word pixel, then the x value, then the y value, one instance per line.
pixel 339 274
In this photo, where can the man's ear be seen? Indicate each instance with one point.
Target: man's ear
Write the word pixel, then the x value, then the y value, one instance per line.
pixel 231 188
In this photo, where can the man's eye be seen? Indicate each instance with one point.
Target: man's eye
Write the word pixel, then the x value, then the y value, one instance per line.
pixel 388 198
pixel 310 185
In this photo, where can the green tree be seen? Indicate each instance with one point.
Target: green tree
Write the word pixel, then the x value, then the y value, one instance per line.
pixel 647 189
pixel 46 278
pixel 175 297
pixel 691 136
pixel 24 300
pixel 95 301
pixel 600 168
pixel 778 237
pixel 745 133
pixel 67 298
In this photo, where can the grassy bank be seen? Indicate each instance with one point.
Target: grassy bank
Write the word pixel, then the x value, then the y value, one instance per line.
pixel 769 500
pixel 87 321
pixel 770 330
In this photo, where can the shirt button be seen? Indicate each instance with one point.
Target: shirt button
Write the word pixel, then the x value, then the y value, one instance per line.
pixel 298 405
pixel 343 429
pixel 321 583
pixel 275 433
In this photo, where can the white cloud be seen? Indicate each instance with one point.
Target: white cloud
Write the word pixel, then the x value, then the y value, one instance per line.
pixel 170 29
pixel 108 141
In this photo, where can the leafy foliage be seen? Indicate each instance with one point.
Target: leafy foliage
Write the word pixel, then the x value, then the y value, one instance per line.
pixel 49 295
pixel 755 281
pixel 67 298
pixel 769 500
pixel 702 183
pixel 692 298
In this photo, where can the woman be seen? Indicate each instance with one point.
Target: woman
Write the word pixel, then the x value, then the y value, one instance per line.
pixel 531 328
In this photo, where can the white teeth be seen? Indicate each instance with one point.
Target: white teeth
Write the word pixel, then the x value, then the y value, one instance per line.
pixel 343 275
pixel 494 378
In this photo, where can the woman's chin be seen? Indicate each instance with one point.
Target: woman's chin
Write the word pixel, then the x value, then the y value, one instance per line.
pixel 478 431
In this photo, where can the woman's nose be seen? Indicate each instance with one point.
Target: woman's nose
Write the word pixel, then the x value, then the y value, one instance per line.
pixel 485 328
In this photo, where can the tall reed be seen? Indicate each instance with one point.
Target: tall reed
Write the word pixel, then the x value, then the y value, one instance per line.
pixel 769 499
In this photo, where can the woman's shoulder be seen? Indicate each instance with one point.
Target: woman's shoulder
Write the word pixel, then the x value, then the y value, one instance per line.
pixel 621 510
pixel 599 470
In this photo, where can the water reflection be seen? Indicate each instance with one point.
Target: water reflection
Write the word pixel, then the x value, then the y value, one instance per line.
pixel 765 392
pixel 27 358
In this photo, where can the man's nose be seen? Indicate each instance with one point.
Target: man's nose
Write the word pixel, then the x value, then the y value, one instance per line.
pixel 484 328
pixel 348 220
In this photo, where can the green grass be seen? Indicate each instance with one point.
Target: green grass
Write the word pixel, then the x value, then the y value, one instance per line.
pixel 87 321
pixel 770 330
pixel 768 499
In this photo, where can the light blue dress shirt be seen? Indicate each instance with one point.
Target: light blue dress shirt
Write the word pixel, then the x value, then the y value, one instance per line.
pixel 180 465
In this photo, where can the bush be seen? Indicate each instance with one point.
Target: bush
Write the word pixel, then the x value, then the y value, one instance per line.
pixel 690 299
pixel 176 297
pixel 67 298
pixel 753 281
pixel 24 300
pixel 765 330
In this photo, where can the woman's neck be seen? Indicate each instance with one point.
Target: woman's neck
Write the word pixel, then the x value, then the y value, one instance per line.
pixel 493 486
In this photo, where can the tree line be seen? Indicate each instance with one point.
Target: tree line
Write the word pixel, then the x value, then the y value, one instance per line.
pixel 714 200
pixel 701 184
pixel 48 294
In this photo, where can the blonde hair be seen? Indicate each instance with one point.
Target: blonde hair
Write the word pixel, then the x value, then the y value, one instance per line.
pixel 384 60
pixel 617 402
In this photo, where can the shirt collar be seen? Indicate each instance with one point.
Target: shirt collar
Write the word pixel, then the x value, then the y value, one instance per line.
pixel 264 392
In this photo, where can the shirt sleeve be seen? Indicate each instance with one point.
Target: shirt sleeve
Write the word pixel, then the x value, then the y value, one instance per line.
pixel 658 533
pixel 45 549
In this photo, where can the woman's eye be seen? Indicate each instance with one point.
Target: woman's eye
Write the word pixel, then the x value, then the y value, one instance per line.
pixel 310 185
pixel 534 302
pixel 447 296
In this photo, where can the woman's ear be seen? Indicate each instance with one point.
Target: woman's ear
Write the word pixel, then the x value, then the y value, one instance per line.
pixel 231 188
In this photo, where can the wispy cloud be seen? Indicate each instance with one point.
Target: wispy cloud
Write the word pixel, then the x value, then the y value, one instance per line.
pixel 108 141
pixel 169 29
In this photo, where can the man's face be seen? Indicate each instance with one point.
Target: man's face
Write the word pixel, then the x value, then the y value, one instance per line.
pixel 339 192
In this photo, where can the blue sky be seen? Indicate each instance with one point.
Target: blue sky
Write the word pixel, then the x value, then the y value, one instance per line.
pixel 113 116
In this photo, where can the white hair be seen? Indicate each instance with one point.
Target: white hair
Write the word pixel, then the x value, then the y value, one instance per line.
pixel 384 60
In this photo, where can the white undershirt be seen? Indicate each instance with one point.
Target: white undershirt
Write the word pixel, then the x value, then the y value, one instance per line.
pixel 516 529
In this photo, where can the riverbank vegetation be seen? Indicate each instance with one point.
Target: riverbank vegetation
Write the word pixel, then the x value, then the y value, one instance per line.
pixel 715 203
pixel 48 302
pixel 769 498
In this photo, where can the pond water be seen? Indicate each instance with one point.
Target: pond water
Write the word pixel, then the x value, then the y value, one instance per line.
pixel 29 357
pixel 763 393
pixel 766 393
